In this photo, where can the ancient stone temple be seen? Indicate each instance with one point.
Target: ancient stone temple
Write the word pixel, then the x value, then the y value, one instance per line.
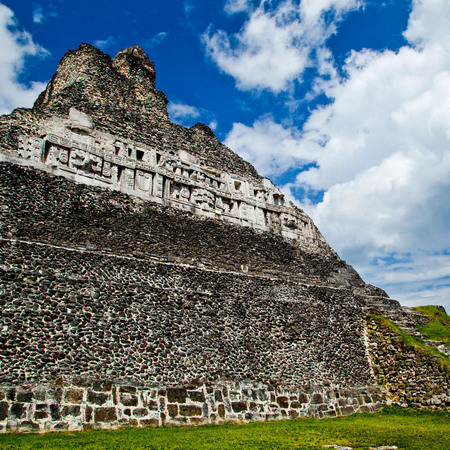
pixel 149 275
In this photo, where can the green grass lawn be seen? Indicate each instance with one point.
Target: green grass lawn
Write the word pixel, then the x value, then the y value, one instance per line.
pixel 407 429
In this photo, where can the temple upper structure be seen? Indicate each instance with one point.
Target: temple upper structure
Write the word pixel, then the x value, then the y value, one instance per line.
pixel 72 147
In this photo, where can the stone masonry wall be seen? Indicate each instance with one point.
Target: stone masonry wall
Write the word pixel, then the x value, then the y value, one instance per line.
pixel 83 403
pixel 410 378
pixel 67 312
pixel 89 291
pixel 117 311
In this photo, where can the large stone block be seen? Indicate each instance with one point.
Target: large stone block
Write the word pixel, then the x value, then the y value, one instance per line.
pixel 102 385
pixel 105 414
pixel 4 408
pixel 71 410
pixel 73 395
pixel 97 397
pixel 190 410
pixel 176 395
pixel 18 411
pixel 128 399
pixel 239 406
pixel 24 396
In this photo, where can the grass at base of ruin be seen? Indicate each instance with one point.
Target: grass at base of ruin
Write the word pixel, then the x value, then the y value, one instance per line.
pixel 404 428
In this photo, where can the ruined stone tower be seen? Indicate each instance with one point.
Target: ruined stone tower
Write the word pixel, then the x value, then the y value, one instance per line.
pixel 149 275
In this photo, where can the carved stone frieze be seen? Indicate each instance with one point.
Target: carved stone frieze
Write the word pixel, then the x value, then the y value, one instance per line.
pixel 180 180
pixel 30 148
pixel 143 181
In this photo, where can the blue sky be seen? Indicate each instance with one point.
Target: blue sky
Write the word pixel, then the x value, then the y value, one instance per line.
pixel 345 104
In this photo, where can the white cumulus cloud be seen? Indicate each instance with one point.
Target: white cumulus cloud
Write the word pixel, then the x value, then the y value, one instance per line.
pixel 269 146
pixel 383 159
pixel 15 47
pixel 180 112
pixel 276 44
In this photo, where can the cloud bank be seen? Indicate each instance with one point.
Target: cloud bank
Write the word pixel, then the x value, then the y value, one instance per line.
pixel 380 153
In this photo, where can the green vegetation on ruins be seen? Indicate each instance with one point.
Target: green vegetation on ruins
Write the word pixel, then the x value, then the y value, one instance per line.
pixel 438 328
pixel 413 341
pixel 406 429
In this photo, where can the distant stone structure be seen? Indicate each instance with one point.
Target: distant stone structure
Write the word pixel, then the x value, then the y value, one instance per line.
pixel 149 275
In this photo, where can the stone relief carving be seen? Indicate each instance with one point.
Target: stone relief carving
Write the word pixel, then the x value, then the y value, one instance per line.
pixel 77 158
pixel 275 219
pixel 161 176
pixel 30 148
pixel 203 199
pixel 52 156
pixel 288 221
pixel 180 192
pixel 143 181
pixel 219 205
pixel 158 185
pixel 64 156
pixel 247 212
pixel 259 216
pixel 107 172
pixel 127 179
pixel 259 196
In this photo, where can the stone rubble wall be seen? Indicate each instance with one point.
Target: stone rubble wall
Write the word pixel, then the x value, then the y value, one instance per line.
pixel 410 378
pixel 88 291
pixel 42 208
pixel 82 403
pixel 67 312
pixel 87 285
pixel 120 311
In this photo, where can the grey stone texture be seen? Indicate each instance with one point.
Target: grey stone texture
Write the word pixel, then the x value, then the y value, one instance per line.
pixel 192 405
pixel 72 311
pixel 411 378
pixel 116 310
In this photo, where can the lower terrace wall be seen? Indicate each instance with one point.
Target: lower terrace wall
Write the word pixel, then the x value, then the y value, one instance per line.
pixel 181 344
pixel 83 403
